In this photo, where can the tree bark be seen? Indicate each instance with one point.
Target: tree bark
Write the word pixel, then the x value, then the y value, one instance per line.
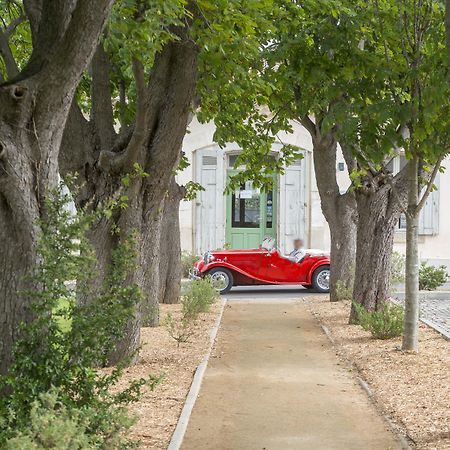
pixel 34 105
pixel 447 27
pixel 380 203
pixel 154 142
pixel 411 321
pixel 339 211
pixel 343 231
pixel 170 248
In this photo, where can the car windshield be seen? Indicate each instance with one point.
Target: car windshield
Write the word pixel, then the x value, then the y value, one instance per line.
pixel 268 243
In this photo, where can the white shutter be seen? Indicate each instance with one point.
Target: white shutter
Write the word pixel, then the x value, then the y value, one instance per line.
pixel 429 216
pixel 292 205
pixel 209 221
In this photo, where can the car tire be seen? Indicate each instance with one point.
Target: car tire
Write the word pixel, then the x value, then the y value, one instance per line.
pixel 222 279
pixel 321 279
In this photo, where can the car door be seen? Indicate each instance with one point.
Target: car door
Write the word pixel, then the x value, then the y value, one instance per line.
pixel 278 269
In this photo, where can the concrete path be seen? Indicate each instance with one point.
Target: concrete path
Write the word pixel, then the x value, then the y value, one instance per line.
pixel 275 383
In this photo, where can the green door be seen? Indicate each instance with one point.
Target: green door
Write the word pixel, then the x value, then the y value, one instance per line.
pixel 251 215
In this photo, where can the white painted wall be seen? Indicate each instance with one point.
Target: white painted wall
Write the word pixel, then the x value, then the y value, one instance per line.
pixel 200 140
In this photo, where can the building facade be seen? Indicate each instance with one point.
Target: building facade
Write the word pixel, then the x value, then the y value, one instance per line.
pixel 241 219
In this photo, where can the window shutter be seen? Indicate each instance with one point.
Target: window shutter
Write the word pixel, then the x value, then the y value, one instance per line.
pixel 429 216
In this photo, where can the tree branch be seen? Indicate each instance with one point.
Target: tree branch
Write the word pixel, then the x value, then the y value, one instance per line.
pixel 102 116
pixel 115 162
pixel 309 125
pixel 430 184
pixel 5 51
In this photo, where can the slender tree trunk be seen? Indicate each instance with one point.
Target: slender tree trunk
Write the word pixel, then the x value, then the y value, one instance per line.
pixel 411 325
pixel 170 248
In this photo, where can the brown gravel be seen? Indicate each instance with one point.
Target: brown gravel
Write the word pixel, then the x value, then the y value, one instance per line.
pixel 158 411
pixel 413 390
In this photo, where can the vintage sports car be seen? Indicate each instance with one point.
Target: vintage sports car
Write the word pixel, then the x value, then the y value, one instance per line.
pixel 265 265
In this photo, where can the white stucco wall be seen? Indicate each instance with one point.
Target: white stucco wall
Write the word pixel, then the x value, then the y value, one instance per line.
pixel 434 248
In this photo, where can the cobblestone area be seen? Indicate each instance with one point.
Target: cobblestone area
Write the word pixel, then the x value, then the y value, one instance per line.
pixel 435 312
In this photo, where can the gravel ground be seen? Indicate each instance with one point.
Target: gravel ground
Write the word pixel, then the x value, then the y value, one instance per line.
pixel 413 390
pixel 158 411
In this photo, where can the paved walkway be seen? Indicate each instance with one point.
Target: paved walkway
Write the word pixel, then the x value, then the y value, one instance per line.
pixel 275 383
pixel 434 310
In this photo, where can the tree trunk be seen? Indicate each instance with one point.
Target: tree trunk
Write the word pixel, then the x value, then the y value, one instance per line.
pixel 340 213
pixel 447 27
pixel 377 218
pixel 34 106
pixel 411 324
pixel 153 143
pixel 170 248
pixel 343 248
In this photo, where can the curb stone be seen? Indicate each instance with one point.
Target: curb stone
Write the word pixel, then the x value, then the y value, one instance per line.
pixel 183 421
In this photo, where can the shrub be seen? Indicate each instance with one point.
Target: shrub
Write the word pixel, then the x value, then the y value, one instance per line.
pixel 188 260
pixel 385 323
pixel 431 277
pixel 397 268
pixel 66 342
pixel 54 426
pixel 343 292
pixel 197 299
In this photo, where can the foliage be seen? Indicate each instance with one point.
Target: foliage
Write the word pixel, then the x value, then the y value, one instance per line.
pixel 48 355
pixel 431 277
pixel 386 323
pixel 197 299
pixel 54 425
pixel 343 292
pixel 188 260
pixel 397 268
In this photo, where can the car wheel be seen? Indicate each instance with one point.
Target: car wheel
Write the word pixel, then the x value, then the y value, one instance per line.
pixel 221 279
pixel 321 279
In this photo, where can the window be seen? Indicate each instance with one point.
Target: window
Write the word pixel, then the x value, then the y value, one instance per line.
pixel 245 207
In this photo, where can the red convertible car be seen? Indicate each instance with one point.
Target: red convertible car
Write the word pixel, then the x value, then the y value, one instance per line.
pixel 228 268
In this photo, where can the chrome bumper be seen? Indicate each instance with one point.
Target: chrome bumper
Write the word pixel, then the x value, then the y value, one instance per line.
pixel 194 274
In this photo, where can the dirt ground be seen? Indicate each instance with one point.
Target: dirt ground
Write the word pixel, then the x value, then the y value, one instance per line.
pixel 275 383
pixel 158 411
pixel 413 390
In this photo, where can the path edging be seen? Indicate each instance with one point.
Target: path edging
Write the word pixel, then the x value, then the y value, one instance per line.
pixel 183 421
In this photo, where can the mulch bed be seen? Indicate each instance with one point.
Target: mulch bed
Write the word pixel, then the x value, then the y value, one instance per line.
pixel 158 411
pixel 413 390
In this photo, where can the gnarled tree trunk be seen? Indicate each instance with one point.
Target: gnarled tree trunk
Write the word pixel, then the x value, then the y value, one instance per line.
pixel 379 207
pixel 34 104
pixel 153 142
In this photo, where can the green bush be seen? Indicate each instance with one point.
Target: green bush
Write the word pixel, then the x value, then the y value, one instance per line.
pixel 397 268
pixel 386 323
pixel 67 340
pixel 197 299
pixel 343 292
pixel 54 426
pixel 187 262
pixel 431 277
